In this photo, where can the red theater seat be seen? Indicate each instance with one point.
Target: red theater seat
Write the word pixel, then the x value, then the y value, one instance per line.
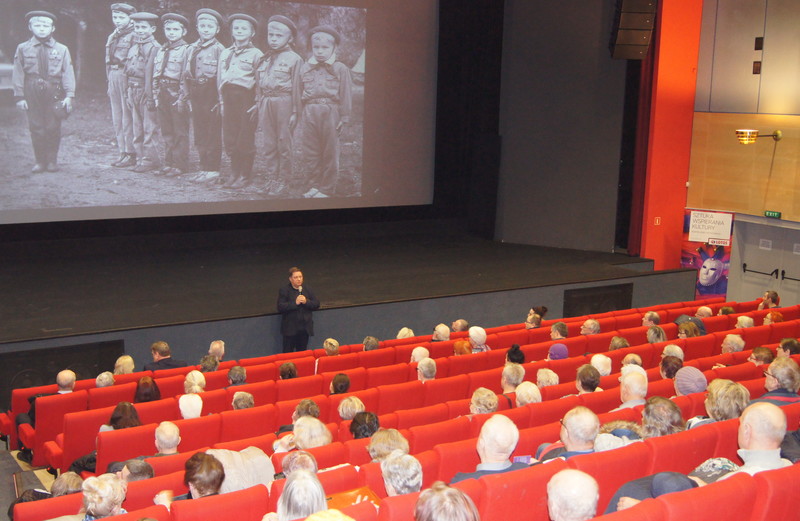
pixel 732 499
pixel 199 432
pixel 111 396
pixel 426 437
pixel 601 401
pixel 299 387
pixel 48 508
pixel 466 364
pixel 490 379
pixel 248 505
pixel 776 498
pixel 50 411
pixel 455 457
pixel 140 493
pixel 157 411
pixel 682 452
pixel 164 465
pixel 398 508
pixel 567 368
pixel 263 392
pixel 421 416
pixel 216 380
pixel 286 408
pixel 264 442
pixel 409 395
pixel 387 375
pixel 170 386
pixel 444 390
pixel 214 402
pixel 80 431
pixel 700 346
pixel 246 423
pixel 552 411
pixel 377 358
pixel 157 512
pixel 124 444
pixel 520 494
pixel 337 363
pixel 261 373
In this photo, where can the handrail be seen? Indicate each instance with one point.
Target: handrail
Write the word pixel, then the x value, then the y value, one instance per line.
pixel 784 277
pixel 773 273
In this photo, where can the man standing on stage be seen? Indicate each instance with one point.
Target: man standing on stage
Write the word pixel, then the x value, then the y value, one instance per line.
pixel 295 303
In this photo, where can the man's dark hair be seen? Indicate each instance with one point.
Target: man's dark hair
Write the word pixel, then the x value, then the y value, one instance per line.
pixel 288 371
pixel 364 425
pixel 791 345
pixel 670 366
pixel 307 407
pixel 340 383
pixel 589 377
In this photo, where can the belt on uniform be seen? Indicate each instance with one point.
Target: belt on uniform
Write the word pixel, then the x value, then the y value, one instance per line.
pixel 167 81
pixel 276 94
pixel 133 82
pixel 115 67
pixel 201 81
pixel 41 82
pixel 322 101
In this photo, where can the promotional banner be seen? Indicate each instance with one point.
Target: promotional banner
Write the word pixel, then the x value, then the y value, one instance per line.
pixel 707 238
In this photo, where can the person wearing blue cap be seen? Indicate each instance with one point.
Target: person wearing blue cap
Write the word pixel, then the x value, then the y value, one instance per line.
pixel 236 81
pixel 44 86
pixel 171 99
pixel 325 96
pixel 200 82
pixel 139 71
pixel 118 44
pixel 276 77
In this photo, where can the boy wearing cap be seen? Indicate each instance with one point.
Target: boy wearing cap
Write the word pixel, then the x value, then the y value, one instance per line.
pixel 324 94
pixel 117 46
pixel 236 82
pixel 139 71
pixel 276 75
pixel 200 82
pixel 171 103
pixel 44 86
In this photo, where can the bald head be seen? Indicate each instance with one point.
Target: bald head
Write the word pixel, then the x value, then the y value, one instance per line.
pixel 580 428
pixel 762 426
pixel 572 496
pixel 498 439
pixel 703 312
pixel 65 380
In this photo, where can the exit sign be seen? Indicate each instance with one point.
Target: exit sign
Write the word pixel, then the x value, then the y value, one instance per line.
pixel 772 214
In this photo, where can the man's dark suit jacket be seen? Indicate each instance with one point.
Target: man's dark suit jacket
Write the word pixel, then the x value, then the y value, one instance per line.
pixel 164 363
pixel 296 318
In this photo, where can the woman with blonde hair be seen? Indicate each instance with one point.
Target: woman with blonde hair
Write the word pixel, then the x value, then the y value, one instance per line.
pixel 384 442
pixel 194 383
pixel 444 503
pixel 123 365
pixel 102 497
pixel 349 407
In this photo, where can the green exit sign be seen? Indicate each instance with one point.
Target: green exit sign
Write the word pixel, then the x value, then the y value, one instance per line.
pixel 772 214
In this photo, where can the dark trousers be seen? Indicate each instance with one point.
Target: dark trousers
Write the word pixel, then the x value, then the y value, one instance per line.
pixel 320 146
pixel 207 125
pixel 44 124
pixel 174 128
pixel 296 342
pixel 239 128
pixel 274 114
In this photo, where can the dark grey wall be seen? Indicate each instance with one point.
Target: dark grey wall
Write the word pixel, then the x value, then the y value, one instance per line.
pixel 560 120
pixel 259 336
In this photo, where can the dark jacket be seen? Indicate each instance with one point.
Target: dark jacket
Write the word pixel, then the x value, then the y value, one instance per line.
pixel 165 363
pixel 296 318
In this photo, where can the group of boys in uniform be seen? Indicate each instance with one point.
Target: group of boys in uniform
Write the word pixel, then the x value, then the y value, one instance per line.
pixel 224 94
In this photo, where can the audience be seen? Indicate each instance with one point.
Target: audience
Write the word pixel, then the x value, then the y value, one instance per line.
pixel 242 400
pixel 146 390
pixel 370 343
pixel 497 440
pixel 195 382
pixel 572 495
pixel 426 370
pixel 689 380
pixel 349 407
pixel 104 379
pixel 162 358
pixel 443 503
pixel 477 339
pixel 208 364
pixel 602 363
pixel 405 332
pixel 459 325
pixel 441 333
pixel 402 474
pixel 725 400
pixel 418 353
pixel 483 401
pixel 515 355
pixel 124 365
pixel 528 392
pixel 217 349
pixel 287 371
pixel 546 377
pixel 340 384
pixel 364 425
pixel 590 327
pixel 782 382
pixel 384 442
pixel 618 342
pixel 237 375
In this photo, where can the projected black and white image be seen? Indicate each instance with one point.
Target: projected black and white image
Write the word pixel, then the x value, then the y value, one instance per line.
pixel 109 104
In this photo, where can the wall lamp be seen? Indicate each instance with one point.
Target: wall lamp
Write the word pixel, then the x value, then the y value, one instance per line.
pixel 747 136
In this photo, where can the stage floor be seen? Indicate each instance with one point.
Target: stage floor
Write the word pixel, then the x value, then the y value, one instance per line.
pixel 70 287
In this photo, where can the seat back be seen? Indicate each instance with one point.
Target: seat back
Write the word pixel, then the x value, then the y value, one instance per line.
pixel 140 493
pixel 199 432
pixel 48 508
pixel 157 411
pixel 124 444
pixel 246 423
pixel 111 395
pixel 50 411
pixel 733 499
pixel 299 387
pixel 446 389
pixel 249 504
pixel 504 494
pixel 80 431
pixel 409 395
pixel 426 437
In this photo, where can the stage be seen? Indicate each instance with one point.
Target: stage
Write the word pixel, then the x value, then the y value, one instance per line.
pixel 77 287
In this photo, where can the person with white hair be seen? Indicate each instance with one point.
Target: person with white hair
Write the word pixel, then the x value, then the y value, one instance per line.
pixel 441 333
pixel 477 339
pixel 744 321
pixel 242 400
pixel 402 474
pixel 672 350
pixel 168 437
pixel 572 495
pixel 124 365
pixel 546 377
pixel 511 377
pixel 732 344
pixel 302 496
pixel 418 353
pixel 405 332
pixel 590 327
pixel 191 406
pixel 104 379
pixel 631 359
pixel 579 428
pixel 528 392
pixel 102 497
pixel 349 407
pixel 633 387
pixel 496 442
pixel 217 349
pixel 195 382
pixel 602 363
pixel 426 370
pixel 782 383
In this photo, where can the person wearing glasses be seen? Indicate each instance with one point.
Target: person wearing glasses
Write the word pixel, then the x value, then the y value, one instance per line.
pixel 783 380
